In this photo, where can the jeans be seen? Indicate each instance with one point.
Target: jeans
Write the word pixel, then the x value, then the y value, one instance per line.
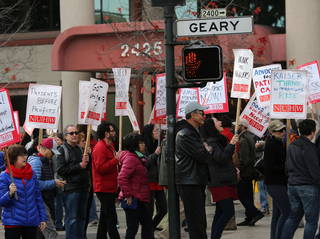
pixel 280 209
pixel 59 205
pixel 93 211
pixel 158 197
pixel 304 200
pixel 75 218
pixel 224 212
pixel 263 195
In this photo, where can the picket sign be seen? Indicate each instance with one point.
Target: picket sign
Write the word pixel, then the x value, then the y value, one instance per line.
pixel 289 94
pixel 133 118
pixel 186 95
pixel 160 107
pixel 257 117
pixel 84 91
pixel 8 129
pixel 17 121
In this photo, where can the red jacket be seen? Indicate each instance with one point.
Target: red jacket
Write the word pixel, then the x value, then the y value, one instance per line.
pixel 133 177
pixel 104 168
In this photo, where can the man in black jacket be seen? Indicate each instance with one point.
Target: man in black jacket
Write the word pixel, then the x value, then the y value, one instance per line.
pixel 192 169
pixel 303 182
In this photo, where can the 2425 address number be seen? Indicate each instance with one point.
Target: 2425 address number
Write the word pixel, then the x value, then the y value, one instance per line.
pixel 145 49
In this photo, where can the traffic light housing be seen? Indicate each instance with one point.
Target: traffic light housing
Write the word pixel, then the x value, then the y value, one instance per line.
pixel 163 3
pixel 202 63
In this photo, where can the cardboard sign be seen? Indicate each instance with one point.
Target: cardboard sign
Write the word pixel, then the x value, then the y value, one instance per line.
pixel 160 108
pixel 97 98
pixel 313 81
pixel 186 95
pixel 84 91
pixel 242 71
pixel 215 96
pixel 258 117
pixel 122 82
pixel 16 121
pixel 133 119
pixel 261 77
pixel 43 106
pixel 8 130
pixel 288 94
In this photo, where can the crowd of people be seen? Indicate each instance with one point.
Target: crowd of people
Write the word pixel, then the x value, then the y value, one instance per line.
pixel 39 179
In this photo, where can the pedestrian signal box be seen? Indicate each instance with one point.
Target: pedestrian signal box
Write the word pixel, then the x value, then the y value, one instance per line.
pixel 202 63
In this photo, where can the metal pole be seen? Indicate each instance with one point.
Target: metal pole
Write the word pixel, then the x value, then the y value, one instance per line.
pixel 101 12
pixel 173 199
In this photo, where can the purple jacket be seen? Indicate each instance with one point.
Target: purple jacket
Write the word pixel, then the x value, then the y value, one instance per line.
pixel 133 177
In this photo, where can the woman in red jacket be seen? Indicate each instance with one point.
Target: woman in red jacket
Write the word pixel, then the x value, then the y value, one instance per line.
pixel 135 192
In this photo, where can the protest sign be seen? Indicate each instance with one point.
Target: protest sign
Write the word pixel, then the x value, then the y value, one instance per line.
pixel 8 130
pixel 258 117
pixel 313 76
pixel 261 77
pixel 242 71
pixel 43 106
pixel 16 121
pixel 288 94
pixel 122 82
pixel 84 91
pixel 133 119
pixel 186 95
pixel 214 95
pixel 160 108
pixel 97 98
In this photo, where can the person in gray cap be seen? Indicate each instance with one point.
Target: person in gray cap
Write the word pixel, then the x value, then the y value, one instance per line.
pixel 192 169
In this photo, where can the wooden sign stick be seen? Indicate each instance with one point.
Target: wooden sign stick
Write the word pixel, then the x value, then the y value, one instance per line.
pixel 238 116
pixel 87 139
pixel 40 138
pixel 120 132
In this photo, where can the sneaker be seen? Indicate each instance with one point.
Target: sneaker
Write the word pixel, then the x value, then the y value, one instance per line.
pixel 256 218
pixel 93 223
pixel 244 223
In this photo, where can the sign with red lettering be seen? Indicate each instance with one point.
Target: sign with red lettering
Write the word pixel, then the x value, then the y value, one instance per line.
pixel 313 81
pixel 16 120
pixel 258 117
pixel 43 106
pixel 8 129
pixel 261 77
pixel 288 94
pixel 122 82
pixel 242 71
pixel 186 95
pixel 160 108
pixel 84 91
pixel 133 119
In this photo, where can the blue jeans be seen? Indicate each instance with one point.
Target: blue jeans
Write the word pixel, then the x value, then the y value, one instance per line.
pixel 280 209
pixel 75 218
pixel 58 207
pixel 93 211
pixel 263 195
pixel 304 200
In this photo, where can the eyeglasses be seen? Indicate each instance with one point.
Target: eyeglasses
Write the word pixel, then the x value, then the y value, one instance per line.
pixel 73 133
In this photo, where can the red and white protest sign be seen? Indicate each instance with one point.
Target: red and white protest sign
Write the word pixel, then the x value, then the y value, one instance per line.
pixel 133 119
pixel 313 80
pixel 122 82
pixel 16 120
pixel 8 130
pixel 186 95
pixel 160 108
pixel 288 94
pixel 261 77
pixel 242 71
pixel 43 106
pixel 257 117
pixel 215 96
pixel 84 91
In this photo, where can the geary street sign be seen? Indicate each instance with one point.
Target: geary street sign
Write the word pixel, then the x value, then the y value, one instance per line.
pixel 217 26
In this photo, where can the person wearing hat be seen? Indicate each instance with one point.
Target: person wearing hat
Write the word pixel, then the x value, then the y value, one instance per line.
pixel 42 165
pixel 191 169
pixel 275 177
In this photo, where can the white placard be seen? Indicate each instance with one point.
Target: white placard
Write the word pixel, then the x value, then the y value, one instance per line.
pixel 84 91
pixel 133 119
pixel 186 95
pixel 160 109
pixel 261 77
pixel 288 94
pixel 122 82
pixel 242 71
pixel 43 106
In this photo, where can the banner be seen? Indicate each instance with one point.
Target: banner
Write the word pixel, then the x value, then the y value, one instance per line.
pixel 288 94
pixel 97 98
pixel 84 91
pixel 242 71
pixel 186 95
pixel 8 130
pixel 215 96
pixel 122 82
pixel 258 117
pixel 160 108
pixel 43 106
pixel 313 81
pixel 133 119
pixel 261 77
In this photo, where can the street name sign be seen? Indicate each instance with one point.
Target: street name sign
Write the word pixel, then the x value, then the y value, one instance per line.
pixel 213 13
pixel 216 26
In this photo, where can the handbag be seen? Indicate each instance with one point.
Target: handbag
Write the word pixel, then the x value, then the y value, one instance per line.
pixel 125 205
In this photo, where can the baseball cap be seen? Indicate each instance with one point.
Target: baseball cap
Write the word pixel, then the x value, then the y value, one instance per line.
pixel 193 106
pixel 276 125
pixel 242 122
pixel 51 144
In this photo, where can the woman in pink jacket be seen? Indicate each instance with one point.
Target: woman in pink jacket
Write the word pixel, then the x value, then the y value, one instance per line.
pixel 135 192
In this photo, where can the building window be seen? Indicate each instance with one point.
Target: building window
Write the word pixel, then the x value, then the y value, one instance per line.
pixel 108 11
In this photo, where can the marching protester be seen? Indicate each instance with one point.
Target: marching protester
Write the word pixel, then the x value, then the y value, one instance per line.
pixel 72 167
pixel 275 177
pixel 303 169
pixel 133 183
pixel 223 174
pixel 105 183
pixel 152 138
pixel 23 206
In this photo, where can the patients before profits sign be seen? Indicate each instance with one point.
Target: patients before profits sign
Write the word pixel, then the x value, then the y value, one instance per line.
pixel 43 106
pixel 186 95
pixel 288 94
pixel 122 82
pixel 160 108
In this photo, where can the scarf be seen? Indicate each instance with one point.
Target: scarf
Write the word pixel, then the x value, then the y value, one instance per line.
pixel 23 173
